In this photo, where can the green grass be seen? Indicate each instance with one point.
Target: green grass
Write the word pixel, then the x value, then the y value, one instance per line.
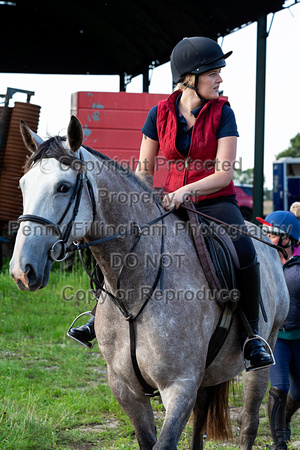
pixel 54 393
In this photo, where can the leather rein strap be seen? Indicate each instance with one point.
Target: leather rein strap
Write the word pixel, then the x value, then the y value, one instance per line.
pixel 232 227
pixel 135 230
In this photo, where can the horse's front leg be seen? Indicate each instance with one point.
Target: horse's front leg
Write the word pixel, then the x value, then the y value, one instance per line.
pixel 255 385
pixel 179 400
pixel 138 409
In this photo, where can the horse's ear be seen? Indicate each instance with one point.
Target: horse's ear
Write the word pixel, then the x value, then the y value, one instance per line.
pixel 75 134
pixel 30 138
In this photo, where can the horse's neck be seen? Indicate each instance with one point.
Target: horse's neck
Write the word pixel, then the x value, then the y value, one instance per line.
pixel 121 202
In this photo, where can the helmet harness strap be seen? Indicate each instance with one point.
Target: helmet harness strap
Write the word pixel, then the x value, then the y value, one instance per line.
pixel 194 88
pixel 289 244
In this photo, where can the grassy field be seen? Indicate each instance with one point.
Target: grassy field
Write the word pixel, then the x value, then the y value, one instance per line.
pixel 54 392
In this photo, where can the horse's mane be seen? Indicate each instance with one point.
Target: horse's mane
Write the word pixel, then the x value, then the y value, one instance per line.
pixel 54 148
pixel 112 163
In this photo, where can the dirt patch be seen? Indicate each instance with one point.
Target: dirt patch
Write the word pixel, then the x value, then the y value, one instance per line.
pixel 110 423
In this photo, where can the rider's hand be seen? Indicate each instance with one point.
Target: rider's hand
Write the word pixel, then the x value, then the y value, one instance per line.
pixel 175 199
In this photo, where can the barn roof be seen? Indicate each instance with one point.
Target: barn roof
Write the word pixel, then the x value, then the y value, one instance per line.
pixel 112 36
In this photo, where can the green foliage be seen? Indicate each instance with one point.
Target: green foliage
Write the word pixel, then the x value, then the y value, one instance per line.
pixel 243 176
pixel 54 393
pixel 51 387
pixel 293 150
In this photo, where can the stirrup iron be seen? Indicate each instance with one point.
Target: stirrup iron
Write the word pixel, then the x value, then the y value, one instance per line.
pixel 249 368
pixel 87 344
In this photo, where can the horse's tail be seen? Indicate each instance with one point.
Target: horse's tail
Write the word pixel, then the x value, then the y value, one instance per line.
pixel 218 425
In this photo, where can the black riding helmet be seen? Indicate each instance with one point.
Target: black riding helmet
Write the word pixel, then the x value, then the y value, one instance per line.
pixel 196 55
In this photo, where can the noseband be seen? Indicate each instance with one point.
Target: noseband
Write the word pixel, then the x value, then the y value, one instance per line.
pixel 64 236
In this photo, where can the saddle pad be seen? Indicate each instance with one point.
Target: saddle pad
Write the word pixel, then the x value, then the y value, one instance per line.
pixel 215 257
pixel 220 255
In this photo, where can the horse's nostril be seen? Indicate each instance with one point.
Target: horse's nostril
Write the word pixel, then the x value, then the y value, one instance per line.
pixel 31 275
pixel 28 270
pixel 26 277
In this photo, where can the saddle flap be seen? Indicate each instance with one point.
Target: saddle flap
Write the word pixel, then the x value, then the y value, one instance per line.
pixel 216 257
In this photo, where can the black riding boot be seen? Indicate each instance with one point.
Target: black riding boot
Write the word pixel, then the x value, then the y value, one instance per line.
pixel 249 285
pixel 291 407
pixel 84 334
pixel 276 411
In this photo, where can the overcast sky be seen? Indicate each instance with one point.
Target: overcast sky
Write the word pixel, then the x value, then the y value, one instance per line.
pixel 53 92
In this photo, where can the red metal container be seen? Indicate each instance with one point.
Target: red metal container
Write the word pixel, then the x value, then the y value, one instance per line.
pixel 112 123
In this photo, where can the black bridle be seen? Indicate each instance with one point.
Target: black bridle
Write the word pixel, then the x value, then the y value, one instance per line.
pixel 64 236
pixel 135 230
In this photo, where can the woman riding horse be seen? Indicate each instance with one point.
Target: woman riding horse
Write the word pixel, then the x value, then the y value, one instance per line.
pixel 197 134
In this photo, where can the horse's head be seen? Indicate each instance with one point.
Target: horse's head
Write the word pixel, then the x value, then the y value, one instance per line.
pixel 56 205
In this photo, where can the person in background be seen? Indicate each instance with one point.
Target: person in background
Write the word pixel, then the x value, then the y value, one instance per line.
pixel 283 228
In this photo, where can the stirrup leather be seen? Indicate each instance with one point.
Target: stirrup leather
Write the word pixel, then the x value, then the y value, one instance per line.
pixel 251 368
pixel 85 344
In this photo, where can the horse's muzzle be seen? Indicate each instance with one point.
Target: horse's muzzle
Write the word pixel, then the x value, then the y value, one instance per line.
pixel 29 279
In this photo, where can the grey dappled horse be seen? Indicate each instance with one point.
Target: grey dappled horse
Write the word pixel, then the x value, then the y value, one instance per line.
pixel 173 329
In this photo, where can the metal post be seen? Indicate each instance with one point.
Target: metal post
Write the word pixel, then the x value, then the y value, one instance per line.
pixel 146 80
pixel 258 191
pixel 122 82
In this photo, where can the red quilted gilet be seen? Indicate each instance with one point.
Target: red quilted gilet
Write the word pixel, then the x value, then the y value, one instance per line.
pixel 199 162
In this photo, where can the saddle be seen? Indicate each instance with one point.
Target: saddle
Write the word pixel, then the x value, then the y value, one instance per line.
pixel 217 254
pixel 219 260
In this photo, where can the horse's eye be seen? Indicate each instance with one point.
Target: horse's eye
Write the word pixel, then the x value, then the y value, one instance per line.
pixel 63 188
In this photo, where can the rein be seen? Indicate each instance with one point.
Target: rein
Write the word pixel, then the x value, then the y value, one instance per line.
pixel 232 227
pixel 135 230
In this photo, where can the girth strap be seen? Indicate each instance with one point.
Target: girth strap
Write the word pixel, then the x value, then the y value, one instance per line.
pixel 148 390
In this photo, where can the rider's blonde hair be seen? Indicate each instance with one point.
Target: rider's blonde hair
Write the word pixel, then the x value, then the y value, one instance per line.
pixel 189 79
